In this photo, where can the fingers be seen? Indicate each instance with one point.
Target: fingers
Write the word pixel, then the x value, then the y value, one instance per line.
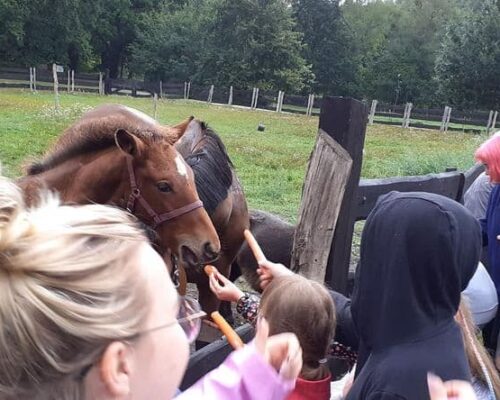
pixel 437 390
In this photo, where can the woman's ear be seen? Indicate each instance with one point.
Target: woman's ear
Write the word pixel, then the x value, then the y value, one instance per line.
pixel 115 368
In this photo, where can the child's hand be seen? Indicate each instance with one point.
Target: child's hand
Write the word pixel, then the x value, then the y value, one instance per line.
pixel 223 288
pixel 282 351
pixel 268 270
pixel 457 390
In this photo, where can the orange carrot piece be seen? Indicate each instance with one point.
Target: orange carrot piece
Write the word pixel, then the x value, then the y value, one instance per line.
pixel 209 270
pixel 254 246
pixel 232 337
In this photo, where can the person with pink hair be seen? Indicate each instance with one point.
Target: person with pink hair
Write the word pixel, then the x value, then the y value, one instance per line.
pixel 489 155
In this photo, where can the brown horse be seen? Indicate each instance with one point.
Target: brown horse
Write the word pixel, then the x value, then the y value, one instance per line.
pixel 221 192
pixel 118 155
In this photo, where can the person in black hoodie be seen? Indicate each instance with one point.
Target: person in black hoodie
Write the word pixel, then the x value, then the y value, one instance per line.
pixel 418 253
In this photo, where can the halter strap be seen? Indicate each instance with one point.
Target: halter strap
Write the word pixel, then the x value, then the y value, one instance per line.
pixel 135 195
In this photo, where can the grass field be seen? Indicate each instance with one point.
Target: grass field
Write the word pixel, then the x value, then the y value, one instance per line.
pixel 271 164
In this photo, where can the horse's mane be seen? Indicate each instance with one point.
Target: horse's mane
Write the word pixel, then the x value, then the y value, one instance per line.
pixel 92 135
pixel 213 169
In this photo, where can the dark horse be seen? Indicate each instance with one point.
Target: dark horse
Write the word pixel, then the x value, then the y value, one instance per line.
pixel 223 197
pixel 118 155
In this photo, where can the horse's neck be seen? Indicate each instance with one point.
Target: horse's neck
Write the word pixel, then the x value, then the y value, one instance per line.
pixel 89 178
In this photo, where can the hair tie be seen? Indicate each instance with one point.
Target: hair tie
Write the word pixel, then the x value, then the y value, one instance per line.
pixel 322 361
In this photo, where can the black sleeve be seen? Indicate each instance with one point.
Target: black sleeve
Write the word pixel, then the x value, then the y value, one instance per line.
pixel 345 332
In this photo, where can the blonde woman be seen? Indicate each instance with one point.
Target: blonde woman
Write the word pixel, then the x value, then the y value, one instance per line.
pixel 88 311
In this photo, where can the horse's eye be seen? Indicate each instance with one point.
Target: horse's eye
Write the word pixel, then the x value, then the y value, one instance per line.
pixel 164 187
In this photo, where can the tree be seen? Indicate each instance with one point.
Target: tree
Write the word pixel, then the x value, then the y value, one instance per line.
pixel 327 40
pixel 253 43
pixel 13 15
pixel 469 58
pixel 170 42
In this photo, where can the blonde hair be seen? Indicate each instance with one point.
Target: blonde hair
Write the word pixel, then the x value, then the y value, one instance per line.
pixel 480 363
pixel 304 307
pixel 66 291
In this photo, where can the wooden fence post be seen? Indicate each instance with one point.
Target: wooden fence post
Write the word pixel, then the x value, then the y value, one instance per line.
pixel 373 109
pixel 255 97
pixel 68 84
pixel 34 79
pixel 185 90
pixel 310 105
pixel 278 102
pixel 344 119
pixel 189 90
pixel 230 99
pixel 447 119
pixel 161 90
pixel 72 81
pixel 56 86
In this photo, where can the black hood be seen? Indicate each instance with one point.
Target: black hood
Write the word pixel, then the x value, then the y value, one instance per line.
pixel 418 253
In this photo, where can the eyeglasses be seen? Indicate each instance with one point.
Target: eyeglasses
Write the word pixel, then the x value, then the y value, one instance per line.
pixel 188 317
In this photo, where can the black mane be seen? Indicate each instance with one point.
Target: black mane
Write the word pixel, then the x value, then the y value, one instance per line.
pixel 212 169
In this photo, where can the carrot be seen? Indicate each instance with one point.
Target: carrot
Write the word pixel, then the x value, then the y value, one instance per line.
pixel 209 270
pixel 254 246
pixel 232 337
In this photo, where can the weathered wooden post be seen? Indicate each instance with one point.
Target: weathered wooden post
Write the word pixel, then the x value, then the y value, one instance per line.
pixel 72 81
pixel 344 120
pixel 373 110
pixel 161 90
pixel 326 221
pixel 446 119
pixel 34 79
pixel 310 105
pixel 56 87
pixel 185 90
pixel 68 83
pixel 230 99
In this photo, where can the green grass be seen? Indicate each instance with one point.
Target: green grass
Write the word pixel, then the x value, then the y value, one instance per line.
pixel 271 164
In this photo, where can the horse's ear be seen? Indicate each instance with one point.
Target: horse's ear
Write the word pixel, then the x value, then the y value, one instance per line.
pixel 127 142
pixel 176 131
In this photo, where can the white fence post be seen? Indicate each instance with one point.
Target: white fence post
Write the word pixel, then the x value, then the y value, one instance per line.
pixel 210 94
pixel 188 90
pixel 373 109
pixel 56 86
pixel 161 90
pixel 488 125
pixel 185 90
pixel 230 99
pixel 256 98
pixel 310 105
pixel 155 104
pixel 34 79
pixel 406 117
pixel 31 79
pixel 72 81
pixel 494 122
pixel 68 82
pixel 101 88
pixel 446 119
pixel 278 102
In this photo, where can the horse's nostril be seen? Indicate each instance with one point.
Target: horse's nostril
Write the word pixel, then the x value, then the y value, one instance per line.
pixel 209 251
pixel 188 256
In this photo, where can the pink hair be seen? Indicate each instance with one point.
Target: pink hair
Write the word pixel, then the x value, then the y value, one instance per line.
pixel 489 153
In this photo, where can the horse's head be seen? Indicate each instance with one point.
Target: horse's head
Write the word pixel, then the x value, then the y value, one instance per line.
pixel 165 195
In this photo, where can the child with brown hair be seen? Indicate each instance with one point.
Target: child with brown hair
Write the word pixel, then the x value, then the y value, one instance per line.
pixel 298 305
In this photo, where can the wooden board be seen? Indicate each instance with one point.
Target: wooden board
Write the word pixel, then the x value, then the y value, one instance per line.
pixel 327 174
